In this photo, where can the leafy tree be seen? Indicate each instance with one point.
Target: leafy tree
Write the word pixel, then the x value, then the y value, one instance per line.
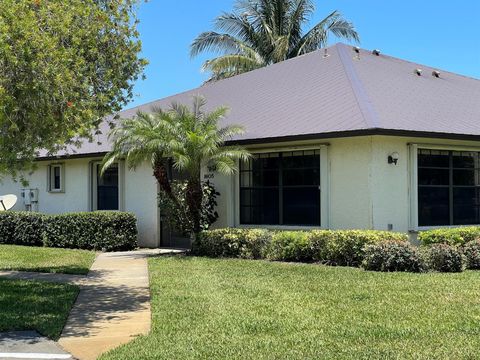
pixel 262 32
pixel 64 65
pixel 189 138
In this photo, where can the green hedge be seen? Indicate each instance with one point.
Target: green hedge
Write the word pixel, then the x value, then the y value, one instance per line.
pixel 343 247
pixel 393 256
pixel 99 230
pixel 232 242
pixel 451 236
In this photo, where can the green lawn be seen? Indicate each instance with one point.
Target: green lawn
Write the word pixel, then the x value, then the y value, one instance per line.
pixel 40 259
pixel 238 309
pixel 32 305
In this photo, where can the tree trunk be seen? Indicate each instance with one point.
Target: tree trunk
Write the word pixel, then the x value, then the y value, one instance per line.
pixel 161 174
pixel 194 202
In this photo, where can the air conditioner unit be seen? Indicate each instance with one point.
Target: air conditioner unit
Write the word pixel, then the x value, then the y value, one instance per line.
pixel 27 199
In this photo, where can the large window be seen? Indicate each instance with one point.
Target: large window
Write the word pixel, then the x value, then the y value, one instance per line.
pixel 448 187
pixel 281 188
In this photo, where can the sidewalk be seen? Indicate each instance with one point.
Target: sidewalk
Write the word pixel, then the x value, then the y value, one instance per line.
pixel 113 305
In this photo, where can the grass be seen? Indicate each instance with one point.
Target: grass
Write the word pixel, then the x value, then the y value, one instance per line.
pixel 32 305
pixel 238 309
pixel 41 259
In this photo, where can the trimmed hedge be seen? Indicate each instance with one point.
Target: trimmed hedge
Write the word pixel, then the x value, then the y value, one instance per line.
pixel 471 251
pixel 99 230
pixel 451 236
pixel 21 228
pixel 290 246
pixel 343 247
pixel 444 258
pixel 393 255
pixel 347 247
pixel 232 242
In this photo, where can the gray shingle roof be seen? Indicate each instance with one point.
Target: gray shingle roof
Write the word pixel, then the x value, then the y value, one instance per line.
pixel 340 94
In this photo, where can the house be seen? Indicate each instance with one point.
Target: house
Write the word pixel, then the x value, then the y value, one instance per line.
pixel 343 138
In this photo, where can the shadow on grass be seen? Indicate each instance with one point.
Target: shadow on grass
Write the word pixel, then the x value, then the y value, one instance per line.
pixel 64 269
pixel 30 305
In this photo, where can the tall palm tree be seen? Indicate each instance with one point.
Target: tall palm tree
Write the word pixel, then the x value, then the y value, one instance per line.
pixel 188 137
pixel 262 32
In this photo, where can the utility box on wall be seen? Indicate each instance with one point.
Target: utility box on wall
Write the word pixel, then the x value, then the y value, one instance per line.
pixel 30 199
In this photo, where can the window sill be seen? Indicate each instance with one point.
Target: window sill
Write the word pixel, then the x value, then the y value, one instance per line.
pixel 426 228
pixel 280 227
pixel 56 191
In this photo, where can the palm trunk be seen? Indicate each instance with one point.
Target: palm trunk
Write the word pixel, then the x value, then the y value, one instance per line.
pixel 194 202
pixel 161 174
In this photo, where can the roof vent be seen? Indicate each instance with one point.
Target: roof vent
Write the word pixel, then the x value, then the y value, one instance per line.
pixel 436 73
pixel 418 72
pixel 356 50
pixel 376 52
pixel 325 53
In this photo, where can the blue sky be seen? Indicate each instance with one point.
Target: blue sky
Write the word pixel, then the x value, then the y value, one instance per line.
pixel 443 34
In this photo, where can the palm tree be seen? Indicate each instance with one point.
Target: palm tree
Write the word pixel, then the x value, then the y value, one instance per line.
pixel 262 32
pixel 190 138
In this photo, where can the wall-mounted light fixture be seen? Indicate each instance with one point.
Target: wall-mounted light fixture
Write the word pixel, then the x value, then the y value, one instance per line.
pixel 393 158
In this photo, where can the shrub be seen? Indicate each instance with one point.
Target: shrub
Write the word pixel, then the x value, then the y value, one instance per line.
pixel 471 251
pixel 392 255
pixel 318 240
pixel 21 228
pixel 444 258
pixel 346 247
pixel 451 236
pixel 290 246
pixel 232 242
pixel 99 230
pixel 177 213
pixel 328 246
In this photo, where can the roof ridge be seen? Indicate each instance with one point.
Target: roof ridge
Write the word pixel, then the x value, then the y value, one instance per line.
pixel 366 107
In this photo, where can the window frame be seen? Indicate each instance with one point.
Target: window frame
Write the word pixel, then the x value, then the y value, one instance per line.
pixel 50 178
pixel 324 189
pixel 413 183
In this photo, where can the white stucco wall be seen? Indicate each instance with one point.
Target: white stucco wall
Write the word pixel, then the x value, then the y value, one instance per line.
pixel 350 187
pixel 138 194
pixel 141 194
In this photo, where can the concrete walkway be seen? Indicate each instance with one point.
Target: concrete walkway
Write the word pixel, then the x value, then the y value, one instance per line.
pixel 29 345
pixel 113 305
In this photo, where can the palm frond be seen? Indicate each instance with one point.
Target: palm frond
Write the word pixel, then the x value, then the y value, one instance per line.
pixel 317 37
pixel 217 43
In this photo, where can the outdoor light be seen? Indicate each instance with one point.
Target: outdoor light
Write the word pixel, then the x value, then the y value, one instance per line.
pixel 393 158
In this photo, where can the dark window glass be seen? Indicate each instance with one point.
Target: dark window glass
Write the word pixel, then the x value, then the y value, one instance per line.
pixel 433 176
pixel 433 158
pixel 281 189
pixel 465 177
pixel 56 178
pixel 301 206
pixel 107 189
pixel 448 187
pixel 463 159
pixel 433 206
